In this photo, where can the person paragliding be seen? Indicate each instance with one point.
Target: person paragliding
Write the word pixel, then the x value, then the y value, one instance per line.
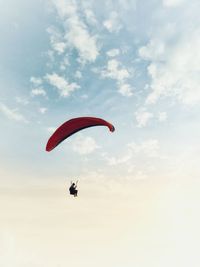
pixel 71 127
pixel 73 189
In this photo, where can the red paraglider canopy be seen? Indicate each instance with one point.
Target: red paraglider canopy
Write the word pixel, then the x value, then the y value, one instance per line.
pixel 72 126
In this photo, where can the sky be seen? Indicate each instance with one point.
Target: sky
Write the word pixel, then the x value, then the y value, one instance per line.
pixel 134 63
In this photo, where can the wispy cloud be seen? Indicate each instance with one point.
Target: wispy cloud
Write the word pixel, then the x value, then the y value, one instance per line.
pixel 174 60
pixel 120 160
pixel 113 52
pixel 172 3
pixel 61 84
pixel 36 81
pixel 116 71
pixel 84 145
pixel 42 110
pixel 154 50
pixel 38 92
pixel 125 89
pixel 56 40
pixel 149 148
pixel 77 34
pixel 12 114
pixel 142 117
pixel 88 12
pixel 113 24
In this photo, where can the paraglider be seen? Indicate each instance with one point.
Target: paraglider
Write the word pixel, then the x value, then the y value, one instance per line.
pixel 72 126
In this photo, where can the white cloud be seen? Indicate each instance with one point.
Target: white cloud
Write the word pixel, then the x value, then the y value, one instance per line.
pixel 114 70
pixel 42 110
pixel 84 145
pixel 113 52
pixel 154 50
pixel 89 14
pixel 179 75
pixel 125 89
pixel 61 84
pixel 36 81
pixel 146 149
pixel 76 32
pixel 56 40
pixel 79 38
pixel 12 114
pixel 113 23
pixel 60 47
pixel 174 59
pixel 142 117
pixel 149 148
pixel 38 92
pixel 172 3
pixel 65 8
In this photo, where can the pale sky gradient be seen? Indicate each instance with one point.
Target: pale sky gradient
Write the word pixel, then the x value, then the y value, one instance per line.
pixel 134 63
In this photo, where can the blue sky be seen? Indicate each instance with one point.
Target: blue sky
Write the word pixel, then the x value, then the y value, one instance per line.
pixel 68 59
pixel 133 63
